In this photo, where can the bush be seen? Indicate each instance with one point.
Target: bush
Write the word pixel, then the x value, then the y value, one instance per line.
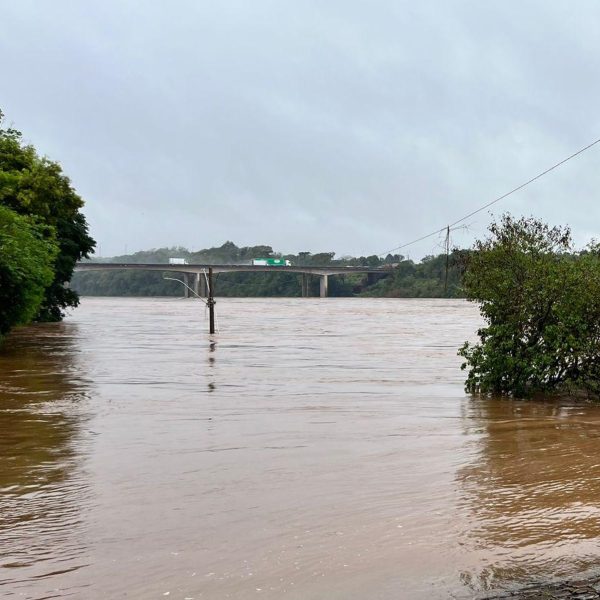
pixel 541 305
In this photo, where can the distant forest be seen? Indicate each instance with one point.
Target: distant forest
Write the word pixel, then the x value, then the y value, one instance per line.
pixel 407 279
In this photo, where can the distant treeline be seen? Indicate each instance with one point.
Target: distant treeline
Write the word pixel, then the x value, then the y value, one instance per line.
pixel 433 277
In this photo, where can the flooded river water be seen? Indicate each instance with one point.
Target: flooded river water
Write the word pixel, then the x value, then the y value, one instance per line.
pixel 313 449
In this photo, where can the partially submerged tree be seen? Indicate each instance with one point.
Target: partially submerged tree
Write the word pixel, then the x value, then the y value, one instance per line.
pixel 541 305
pixel 27 255
pixel 36 187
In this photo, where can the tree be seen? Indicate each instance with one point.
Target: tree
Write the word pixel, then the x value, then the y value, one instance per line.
pixel 27 255
pixel 36 186
pixel 541 305
pixel 303 258
pixel 322 258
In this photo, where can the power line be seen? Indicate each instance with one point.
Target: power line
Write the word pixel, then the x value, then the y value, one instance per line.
pixel 520 187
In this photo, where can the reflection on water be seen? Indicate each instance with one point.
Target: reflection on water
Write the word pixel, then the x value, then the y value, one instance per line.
pixel 42 486
pixel 212 347
pixel 533 490
pixel 312 449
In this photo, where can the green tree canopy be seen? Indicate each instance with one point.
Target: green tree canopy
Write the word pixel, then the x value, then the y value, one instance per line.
pixel 35 186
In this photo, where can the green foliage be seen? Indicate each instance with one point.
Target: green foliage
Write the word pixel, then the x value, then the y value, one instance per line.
pixel 27 255
pixel 229 253
pixel 541 305
pixel 426 279
pixel 36 186
pixel 156 255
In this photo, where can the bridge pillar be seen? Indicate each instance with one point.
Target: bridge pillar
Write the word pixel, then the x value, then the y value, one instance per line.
pixel 186 289
pixel 324 288
pixel 201 285
pixel 305 287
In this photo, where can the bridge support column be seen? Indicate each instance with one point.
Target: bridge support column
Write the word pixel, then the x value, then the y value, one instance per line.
pixel 186 289
pixel 305 287
pixel 201 291
pixel 324 288
pixel 199 284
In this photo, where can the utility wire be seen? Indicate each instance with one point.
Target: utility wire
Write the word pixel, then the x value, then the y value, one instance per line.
pixel 520 187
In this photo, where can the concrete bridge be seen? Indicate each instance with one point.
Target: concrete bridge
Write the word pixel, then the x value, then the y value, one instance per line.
pixel 194 276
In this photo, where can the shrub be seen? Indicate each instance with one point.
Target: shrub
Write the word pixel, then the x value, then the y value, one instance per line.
pixel 540 301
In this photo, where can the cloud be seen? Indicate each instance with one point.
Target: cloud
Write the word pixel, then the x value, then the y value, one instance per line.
pixel 346 126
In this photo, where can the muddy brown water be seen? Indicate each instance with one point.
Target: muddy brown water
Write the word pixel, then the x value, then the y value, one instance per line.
pixel 313 449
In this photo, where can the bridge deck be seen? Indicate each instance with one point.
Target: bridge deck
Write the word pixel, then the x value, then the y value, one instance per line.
pixel 198 268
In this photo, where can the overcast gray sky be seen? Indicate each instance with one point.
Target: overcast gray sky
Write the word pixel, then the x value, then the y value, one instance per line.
pixel 309 125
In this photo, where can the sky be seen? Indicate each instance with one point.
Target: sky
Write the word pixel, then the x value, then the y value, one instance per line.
pixel 346 126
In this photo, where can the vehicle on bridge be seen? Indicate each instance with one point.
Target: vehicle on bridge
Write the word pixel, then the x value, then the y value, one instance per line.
pixel 271 262
pixel 178 261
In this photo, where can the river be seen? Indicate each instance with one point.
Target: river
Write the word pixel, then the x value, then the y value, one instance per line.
pixel 312 449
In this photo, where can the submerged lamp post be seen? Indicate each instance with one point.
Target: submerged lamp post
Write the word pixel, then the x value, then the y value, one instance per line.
pixel 210 300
